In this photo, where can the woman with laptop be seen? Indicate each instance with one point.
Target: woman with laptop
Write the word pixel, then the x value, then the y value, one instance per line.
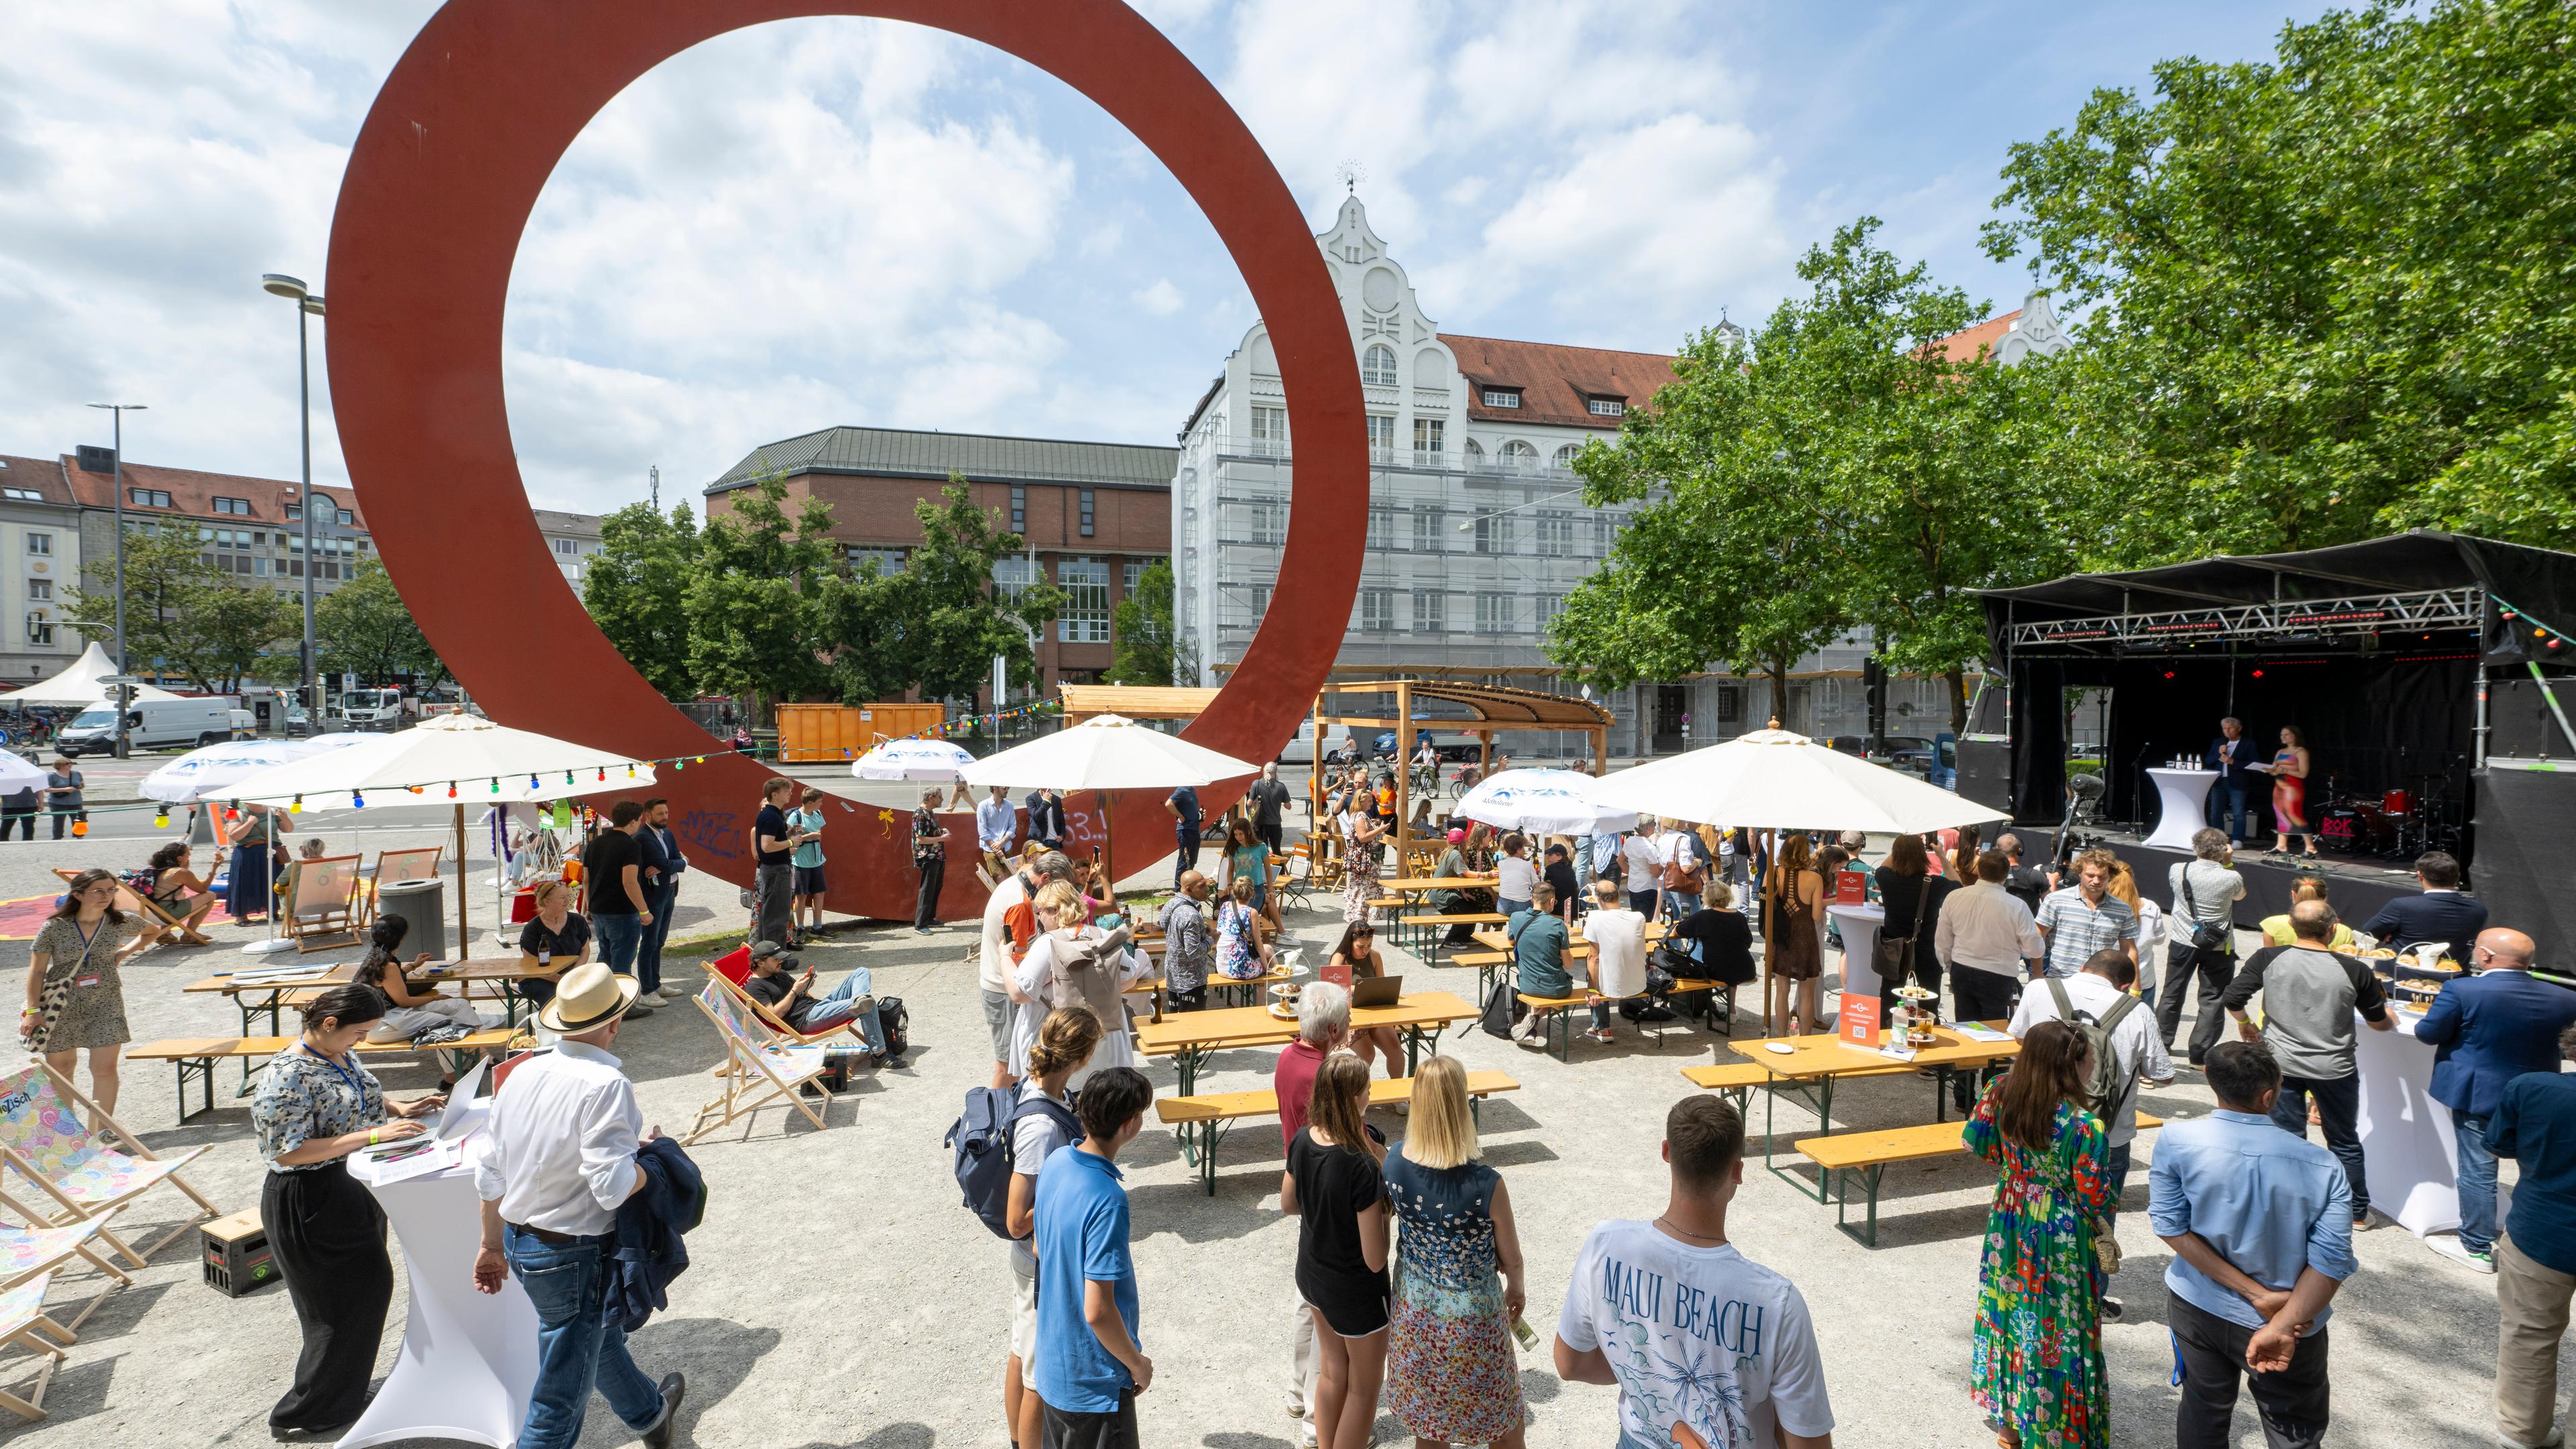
pixel 1357 954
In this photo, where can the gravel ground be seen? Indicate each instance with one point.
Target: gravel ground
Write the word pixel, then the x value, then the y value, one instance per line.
pixel 840 1295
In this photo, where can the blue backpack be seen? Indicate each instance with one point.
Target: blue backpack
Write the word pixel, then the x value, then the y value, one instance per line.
pixel 981 1138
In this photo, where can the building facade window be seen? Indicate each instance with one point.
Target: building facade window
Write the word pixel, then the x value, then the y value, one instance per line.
pixel 1517 454
pixel 1377 366
pixel 1502 397
pixel 1546 608
pixel 1012 576
pixel 1494 533
pixel 1493 613
pixel 1428 520
pixel 1085 619
pixel 1430 445
pixel 40 544
pixel 889 561
pixel 1019 509
pixel 1555 529
pixel 1475 454
pixel 1430 607
pixel 566 547
pixel 1563 462
pixel 1377 611
pixel 40 630
pixel 1381 436
pixel 23 495
pixel 40 590
pixel 1087 515
pixel 1381 529
pixel 147 498
pixel 1270 432
pixel 1609 407
pixel 240 506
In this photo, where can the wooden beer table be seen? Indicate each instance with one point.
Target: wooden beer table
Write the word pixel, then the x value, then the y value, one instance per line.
pixel 1191 1038
pixel 1815 1062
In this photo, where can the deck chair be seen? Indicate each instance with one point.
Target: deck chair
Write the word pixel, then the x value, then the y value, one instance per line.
pixel 53 1154
pixel 22 1310
pixel 731 969
pixel 393 867
pixel 322 902
pixel 27 1253
pixel 135 903
pixel 758 1071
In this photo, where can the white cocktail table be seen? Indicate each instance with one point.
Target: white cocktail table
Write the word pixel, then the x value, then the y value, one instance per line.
pixel 2184 798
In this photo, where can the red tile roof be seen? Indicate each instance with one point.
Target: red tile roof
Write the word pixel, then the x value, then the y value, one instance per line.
pixel 1988 335
pixel 193 493
pixel 1557 383
pixel 45 475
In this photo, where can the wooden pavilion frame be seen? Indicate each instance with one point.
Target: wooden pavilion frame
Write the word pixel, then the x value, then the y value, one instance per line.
pixel 1491 709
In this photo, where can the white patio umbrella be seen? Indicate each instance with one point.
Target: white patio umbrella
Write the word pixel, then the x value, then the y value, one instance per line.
pixel 210 773
pixel 460 757
pixel 78 684
pixel 1543 802
pixel 1777 780
pixel 1107 752
pixel 912 760
pixel 16 775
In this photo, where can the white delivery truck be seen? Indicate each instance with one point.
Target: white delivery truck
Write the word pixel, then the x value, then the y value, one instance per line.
pixel 372 709
pixel 150 724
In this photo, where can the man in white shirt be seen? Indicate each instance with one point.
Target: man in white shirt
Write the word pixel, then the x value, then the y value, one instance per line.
pixel 1618 938
pixel 1645 872
pixel 997 825
pixel 561 1159
pixel 2099 995
pixel 1706 1346
pixel 1986 942
pixel 998 953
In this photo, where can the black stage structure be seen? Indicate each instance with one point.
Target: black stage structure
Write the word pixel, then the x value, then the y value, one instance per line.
pixel 2428 664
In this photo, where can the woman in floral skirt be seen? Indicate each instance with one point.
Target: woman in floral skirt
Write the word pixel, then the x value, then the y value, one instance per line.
pixel 1451 1376
pixel 1361 832
pixel 2037 1368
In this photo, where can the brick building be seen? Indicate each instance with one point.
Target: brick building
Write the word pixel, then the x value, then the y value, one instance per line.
pixel 1096 515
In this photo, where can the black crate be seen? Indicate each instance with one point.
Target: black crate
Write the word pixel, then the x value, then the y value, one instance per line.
pixel 236 1254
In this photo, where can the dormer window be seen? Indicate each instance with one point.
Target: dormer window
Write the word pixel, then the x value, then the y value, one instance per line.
pixel 1609 407
pixel 1503 397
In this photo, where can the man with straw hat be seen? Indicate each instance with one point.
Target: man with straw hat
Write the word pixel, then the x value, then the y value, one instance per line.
pixel 565 1128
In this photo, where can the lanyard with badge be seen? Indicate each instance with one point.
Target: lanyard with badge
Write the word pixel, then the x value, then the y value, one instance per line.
pixel 82 974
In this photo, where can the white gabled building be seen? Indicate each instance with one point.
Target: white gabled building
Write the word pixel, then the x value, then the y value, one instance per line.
pixel 1477 527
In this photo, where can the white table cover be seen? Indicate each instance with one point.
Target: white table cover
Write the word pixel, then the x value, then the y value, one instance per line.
pixel 1859 925
pixel 468 1360
pixel 2406 1142
pixel 2185 797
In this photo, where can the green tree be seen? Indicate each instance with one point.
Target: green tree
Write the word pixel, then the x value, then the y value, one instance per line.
pixel 637 591
pixel 944 618
pixel 1146 646
pixel 364 628
pixel 2334 290
pixel 758 603
pixel 181 611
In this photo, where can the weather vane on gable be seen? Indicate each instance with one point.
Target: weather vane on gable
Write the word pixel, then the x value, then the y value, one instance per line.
pixel 1352 173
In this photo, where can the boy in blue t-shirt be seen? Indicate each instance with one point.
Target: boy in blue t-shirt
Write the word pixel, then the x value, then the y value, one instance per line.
pixel 1090 1365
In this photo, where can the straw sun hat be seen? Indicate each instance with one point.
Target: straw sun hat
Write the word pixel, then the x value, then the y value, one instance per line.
pixel 589 997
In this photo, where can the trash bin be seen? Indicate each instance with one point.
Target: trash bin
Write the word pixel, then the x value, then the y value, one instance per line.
pixel 423 903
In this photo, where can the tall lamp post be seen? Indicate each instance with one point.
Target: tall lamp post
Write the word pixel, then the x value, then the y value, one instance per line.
pixel 117 471
pixel 306 305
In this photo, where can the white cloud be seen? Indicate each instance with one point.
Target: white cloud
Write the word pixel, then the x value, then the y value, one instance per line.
pixel 1159 300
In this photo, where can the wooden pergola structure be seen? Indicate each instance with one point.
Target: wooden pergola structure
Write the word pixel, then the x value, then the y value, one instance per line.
pixel 1134 701
pixel 1490 709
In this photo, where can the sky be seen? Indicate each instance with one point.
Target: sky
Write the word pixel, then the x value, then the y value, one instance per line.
pixel 853 221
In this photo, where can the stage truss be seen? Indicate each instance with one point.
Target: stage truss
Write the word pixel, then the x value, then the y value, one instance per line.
pixel 2278 623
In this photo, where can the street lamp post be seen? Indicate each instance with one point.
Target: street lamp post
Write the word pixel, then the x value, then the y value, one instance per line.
pixel 306 305
pixel 117 471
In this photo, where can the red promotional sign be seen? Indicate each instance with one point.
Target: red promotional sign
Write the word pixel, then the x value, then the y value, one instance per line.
pixel 1851 888
pixel 1338 973
pixel 1859 1020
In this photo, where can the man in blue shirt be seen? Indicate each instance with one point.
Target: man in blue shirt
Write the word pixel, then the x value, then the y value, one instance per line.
pixel 997 827
pixel 2535 1124
pixel 2232 756
pixel 2439 913
pixel 1541 946
pixel 2489 1029
pixel 1184 805
pixel 664 864
pixel 2260 1223
pixel 1090 1363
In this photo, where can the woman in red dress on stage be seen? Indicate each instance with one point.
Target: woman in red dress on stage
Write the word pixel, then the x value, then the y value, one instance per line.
pixel 2290 793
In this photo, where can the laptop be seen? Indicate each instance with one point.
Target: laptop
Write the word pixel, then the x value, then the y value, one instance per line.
pixel 1376 991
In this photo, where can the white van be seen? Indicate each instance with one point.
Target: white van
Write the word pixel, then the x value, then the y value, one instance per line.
pixel 1300 749
pixel 149 723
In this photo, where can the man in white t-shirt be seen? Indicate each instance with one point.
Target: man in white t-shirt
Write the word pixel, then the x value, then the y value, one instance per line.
pixel 995 958
pixel 1698 1337
pixel 1618 938
pixel 2096 993
pixel 1645 874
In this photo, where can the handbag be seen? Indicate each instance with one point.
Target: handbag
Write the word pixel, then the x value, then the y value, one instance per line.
pixel 1892 956
pixel 2206 936
pixel 57 993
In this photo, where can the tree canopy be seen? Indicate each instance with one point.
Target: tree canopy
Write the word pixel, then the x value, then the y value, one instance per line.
pixel 364 628
pixel 1146 645
pixel 184 612
pixel 637 588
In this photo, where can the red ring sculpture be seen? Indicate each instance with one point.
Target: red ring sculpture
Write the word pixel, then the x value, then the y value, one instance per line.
pixel 438 190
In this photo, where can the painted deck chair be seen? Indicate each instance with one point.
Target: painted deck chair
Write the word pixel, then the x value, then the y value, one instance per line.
pixel 393 867
pixel 758 1071
pixel 22 1311
pixel 321 908
pixel 28 1253
pixel 729 971
pixel 56 1157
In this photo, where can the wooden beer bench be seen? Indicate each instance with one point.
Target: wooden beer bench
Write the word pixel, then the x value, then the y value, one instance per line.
pixel 195 1057
pixel 1202 1122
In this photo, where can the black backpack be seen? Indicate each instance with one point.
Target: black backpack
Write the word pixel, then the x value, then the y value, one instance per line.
pixel 895 1020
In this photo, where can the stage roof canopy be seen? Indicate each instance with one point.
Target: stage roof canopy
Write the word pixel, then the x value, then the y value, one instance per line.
pixel 2539 581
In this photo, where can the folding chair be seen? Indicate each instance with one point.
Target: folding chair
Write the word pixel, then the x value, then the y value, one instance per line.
pixel 730 970
pixel 321 909
pixel 393 867
pixel 27 1253
pixel 22 1310
pixel 754 1063
pixel 70 1162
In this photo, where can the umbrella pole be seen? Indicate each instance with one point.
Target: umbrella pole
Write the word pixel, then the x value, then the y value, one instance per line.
pixel 464 942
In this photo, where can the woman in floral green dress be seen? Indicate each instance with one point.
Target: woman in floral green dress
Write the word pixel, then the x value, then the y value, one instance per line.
pixel 2037 1367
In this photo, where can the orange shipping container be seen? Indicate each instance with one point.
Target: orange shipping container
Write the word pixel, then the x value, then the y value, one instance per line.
pixel 845 732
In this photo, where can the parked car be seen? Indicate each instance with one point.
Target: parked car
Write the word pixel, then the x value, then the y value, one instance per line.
pixel 1935 759
pixel 149 723
pixel 1300 749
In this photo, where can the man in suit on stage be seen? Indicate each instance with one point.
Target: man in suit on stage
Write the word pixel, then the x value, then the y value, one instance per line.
pixel 2490 1028
pixel 2232 756
pixel 2441 913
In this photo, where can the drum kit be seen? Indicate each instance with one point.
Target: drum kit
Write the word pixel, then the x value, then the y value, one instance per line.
pixel 2398 825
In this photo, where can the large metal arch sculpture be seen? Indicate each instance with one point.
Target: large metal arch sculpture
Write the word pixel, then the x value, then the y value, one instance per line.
pixel 439 188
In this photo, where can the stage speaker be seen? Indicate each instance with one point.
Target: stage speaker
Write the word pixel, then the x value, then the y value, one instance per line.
pixel 2520 725
pixel 1985 773
pixel 2525 826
